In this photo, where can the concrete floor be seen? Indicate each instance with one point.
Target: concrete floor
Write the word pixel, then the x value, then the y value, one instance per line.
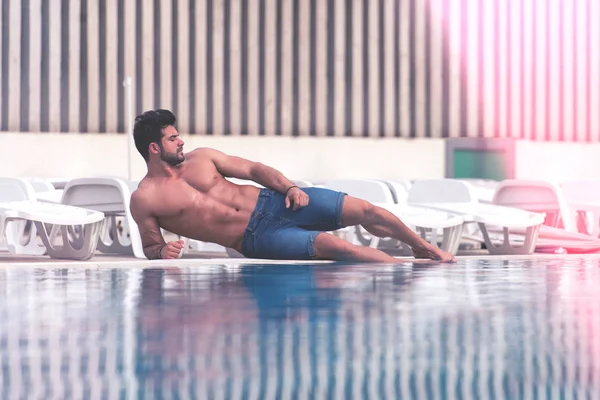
pixel 110 261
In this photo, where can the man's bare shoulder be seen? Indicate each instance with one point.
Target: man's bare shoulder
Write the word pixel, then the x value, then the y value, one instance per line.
pixel 207 153
pixel 141 197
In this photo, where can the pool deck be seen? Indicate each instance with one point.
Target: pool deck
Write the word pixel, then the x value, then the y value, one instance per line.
pixel 189 259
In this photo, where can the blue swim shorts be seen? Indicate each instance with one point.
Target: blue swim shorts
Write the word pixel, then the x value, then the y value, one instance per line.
pixel 276 232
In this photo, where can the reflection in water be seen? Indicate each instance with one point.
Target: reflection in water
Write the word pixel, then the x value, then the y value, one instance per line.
pixel 478 329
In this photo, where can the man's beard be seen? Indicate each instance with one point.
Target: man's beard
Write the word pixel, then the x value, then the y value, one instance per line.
pixel 172 159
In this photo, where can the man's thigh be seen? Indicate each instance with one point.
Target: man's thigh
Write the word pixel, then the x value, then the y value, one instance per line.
pixel 282 243
pixel 323 212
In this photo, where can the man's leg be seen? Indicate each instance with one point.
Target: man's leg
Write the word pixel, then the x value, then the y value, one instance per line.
pixel 382 223
pixel 329 247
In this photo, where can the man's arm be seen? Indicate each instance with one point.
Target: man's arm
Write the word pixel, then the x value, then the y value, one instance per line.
pixel 152 239
pixel 237 167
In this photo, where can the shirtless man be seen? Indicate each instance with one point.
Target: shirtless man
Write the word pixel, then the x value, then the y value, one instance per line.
pixel 187 194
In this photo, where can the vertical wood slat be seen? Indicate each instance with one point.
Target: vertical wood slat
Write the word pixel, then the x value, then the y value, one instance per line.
pixel 130 49
pixel 528 56
pixel 405 106
pixel 357 69
pixel 339 118
pixel 35 61
pixel 321 68
pixel 540 90
pixel 419 105
pixel 487 68
pixel 217 64
pixel 472 72
pixel 165 83
pixel 388 70
pixel 184 91
pixel 235 68
pixel 54 65
pixel 304 88
pixel 14 67
pixel 553 79
pixel 455 52
pixel 93 66
pixel 3 80
pixel 147 70
pixel 111 66
pixel 373 65
pixel 580 112
pixel 569 63
pixel 269 66
pixel 435 66
pixel 514 109
pixel 74 66
pixel 201 62
pixel 503 72
pixel 253 37
pixel 594 70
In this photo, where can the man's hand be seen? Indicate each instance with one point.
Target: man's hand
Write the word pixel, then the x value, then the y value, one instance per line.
pixel 296 197
pixel 171 250
pixel 434 253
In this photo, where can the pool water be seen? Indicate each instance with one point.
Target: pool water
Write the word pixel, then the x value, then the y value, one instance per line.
pixel 487 329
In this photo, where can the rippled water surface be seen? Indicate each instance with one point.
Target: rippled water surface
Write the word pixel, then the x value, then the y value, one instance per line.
pixel 476 329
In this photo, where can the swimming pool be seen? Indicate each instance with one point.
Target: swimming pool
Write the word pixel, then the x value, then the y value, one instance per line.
pixel 518 328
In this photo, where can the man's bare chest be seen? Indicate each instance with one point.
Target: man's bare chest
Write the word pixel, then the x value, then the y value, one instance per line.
pixel 184 196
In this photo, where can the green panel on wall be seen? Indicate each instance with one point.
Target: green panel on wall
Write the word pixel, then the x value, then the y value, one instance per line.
pixel 480 164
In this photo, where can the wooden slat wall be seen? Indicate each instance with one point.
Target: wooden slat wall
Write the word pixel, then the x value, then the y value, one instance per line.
pixel 393 68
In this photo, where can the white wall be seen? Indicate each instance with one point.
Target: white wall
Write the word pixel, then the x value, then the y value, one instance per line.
pixel 557 161
pixel 73 155
pixel 315 159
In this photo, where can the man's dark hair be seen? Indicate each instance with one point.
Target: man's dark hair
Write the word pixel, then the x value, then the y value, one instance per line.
pixel 148 128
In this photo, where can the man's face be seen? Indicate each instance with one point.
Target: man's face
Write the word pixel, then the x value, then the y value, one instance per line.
pixel 171 147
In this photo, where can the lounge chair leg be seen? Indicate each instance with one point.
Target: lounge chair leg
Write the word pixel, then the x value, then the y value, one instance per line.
pixel 110 242
pixel 18 241
pixel 80 247
pixel 374 242
pixel 528 246
pixel 451 239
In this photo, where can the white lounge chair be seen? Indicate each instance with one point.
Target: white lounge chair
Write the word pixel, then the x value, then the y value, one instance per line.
pixel 428 223
pixel 537 196
pixel 59 182
pixel 560 226
pixel 583 199
pixel 45 190
pixel 41 185
pixel 110 196
pixel 244 182
pixel 399 190
pixel 459 197
pixel 484 188
pixel 302 183
pixel 23 218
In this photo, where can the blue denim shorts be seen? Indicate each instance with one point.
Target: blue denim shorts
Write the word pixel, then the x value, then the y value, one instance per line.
pixel 276 232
